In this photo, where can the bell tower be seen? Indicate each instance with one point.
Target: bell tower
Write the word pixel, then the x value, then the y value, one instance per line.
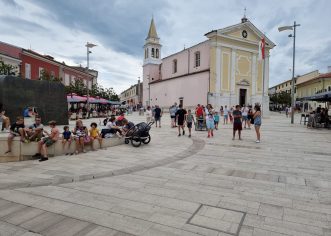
pixel 152 62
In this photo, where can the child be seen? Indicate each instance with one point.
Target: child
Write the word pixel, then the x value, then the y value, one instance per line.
pixel 237 124
pixel 66 138
pixel 127 125
pixel 81 136
pixel 47 141
pixel 210 124
pixel 113 128
pixel 95 134
pixel 189 121
pixel 16 129
pixel 216 120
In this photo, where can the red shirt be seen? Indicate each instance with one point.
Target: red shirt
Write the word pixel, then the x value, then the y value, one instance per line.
pixel 199 111
pixel 120 118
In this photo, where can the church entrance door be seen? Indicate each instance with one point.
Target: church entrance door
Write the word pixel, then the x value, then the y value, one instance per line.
pixel 242 96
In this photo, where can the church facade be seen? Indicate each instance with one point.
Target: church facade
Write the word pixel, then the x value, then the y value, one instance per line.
pixel 222 70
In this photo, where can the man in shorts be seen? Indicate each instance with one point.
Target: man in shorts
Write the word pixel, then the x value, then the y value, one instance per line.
pixel 47 141
pixel 180 116
pixel 35 131
pixel 157 115
pixel 237 125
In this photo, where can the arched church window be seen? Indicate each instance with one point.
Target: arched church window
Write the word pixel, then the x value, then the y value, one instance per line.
pixel 153 53
pixel 157 53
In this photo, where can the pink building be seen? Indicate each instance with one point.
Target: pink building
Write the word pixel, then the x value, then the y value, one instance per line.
pixel 222 70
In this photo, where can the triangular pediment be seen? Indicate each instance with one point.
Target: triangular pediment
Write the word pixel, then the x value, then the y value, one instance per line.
pixel 245 31
pixel 241 32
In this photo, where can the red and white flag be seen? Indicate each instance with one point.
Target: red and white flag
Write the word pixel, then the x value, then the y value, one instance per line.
pixel 262 49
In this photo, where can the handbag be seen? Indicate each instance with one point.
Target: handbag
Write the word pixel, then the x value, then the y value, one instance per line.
pixel 87 139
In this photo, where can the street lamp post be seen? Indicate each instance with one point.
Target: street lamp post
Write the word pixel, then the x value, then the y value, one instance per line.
pixel 292 27
pixel 88 46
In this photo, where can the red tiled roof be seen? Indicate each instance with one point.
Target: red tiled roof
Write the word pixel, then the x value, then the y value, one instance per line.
pixel 10 50
pixel 326 75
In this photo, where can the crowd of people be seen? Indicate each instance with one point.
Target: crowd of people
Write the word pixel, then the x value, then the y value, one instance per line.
pixel 82 112
pixel 81 135
pixel 208 117
pixel 320 116
pixel 202 117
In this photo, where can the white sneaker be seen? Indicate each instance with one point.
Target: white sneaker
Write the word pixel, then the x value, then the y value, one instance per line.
pixel 257 141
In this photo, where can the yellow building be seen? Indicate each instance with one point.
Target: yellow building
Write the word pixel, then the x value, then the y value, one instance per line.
pixel 236 73
pixel 308 86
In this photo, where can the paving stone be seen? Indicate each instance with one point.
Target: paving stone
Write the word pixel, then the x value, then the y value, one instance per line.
pixel 7 229
pixel 271 211
pixel 214 224
pixel 66 227
pixel 22 215
pixel 9 208
pixel 42 222
pixel 161 230
pixel 96 230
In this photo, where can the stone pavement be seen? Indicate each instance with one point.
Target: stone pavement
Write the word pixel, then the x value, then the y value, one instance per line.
pixel 178 186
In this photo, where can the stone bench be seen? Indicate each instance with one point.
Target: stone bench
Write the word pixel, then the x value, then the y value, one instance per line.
pixel 24 151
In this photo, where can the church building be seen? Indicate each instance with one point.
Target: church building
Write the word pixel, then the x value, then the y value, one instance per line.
pixel 222 70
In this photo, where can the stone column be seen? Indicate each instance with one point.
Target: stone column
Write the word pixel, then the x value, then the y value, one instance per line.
pixel 266 76
pixel 233 76
pixel 254 74
pixel 218 70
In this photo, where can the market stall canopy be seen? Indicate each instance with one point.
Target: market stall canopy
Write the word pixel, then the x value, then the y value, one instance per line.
pixel 321 97
pixel 75 98
pixel 114 102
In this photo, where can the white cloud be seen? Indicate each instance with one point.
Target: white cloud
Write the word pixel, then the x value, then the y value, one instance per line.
pixel 120 27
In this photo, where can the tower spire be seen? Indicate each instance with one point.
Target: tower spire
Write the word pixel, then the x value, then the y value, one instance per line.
pixel 152 30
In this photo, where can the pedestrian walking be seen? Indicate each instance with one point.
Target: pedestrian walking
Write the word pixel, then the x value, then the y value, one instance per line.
pixel 180 117
pixel 244 112
pixel 286 111
pixel 172 111
pixel 237 124
pixel 257 122
pixel 250 119
pixel 226 114
pixel 210 123
pixel 149 114
pixel 189 121
pixel 216 120
pixel 157 115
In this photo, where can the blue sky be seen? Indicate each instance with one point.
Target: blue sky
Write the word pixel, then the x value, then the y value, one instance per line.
pixel 61 28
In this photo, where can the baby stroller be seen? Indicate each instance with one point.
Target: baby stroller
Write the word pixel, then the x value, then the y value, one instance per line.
pixel 139 134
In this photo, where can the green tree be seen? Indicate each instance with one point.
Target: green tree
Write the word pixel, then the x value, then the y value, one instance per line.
pixel 282 98
pixel 77 87
pixel 6 69
pixel 96 90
